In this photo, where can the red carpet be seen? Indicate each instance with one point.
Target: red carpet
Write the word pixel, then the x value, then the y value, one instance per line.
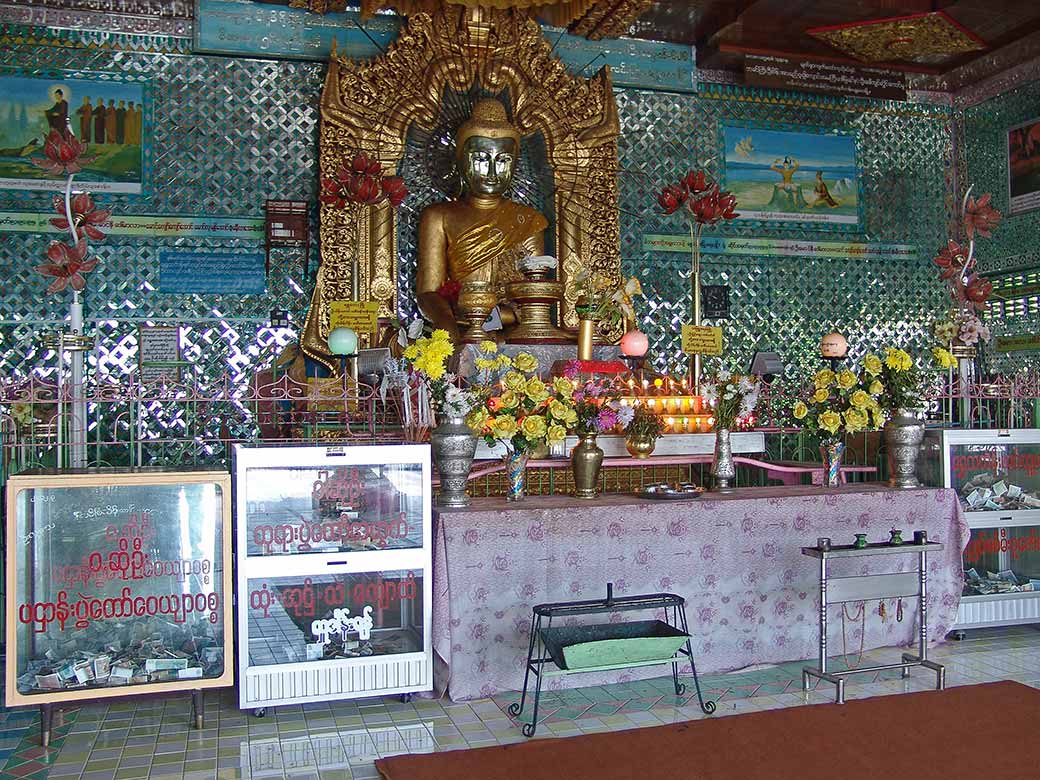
pixel 972 732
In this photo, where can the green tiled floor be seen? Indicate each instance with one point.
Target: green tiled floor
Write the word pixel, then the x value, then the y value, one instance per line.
pixel 151 737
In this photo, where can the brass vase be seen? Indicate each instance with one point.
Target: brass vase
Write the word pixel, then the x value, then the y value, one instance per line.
pixel 586 333
pixel 586 460
pixel 640 446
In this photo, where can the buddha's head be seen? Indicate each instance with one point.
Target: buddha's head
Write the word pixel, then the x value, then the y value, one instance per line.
pixel 486 149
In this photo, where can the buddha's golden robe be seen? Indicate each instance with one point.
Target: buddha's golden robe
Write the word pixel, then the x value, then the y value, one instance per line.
pixel 484 251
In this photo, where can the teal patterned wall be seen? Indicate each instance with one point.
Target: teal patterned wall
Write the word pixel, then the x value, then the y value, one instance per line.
pixel 1014 250
pixel 230 133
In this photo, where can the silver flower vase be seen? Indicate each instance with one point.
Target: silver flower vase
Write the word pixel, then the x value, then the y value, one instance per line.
pixel 454 445
pixel 722 467
pixel 903 435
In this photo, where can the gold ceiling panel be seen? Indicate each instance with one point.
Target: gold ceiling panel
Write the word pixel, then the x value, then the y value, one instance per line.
pixel 901 39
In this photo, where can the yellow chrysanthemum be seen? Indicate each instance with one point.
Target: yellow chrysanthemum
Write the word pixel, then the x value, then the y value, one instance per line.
pixel 876 388
pixel 488 347
pixel 872 365
pixel 830 422
pixel 483 364
pixel 824 378
pixel 533 427
pixel 411 352
pixel 897 359
pixel 944 358
pixel 846 379
pixel 563 386
pixel 526 362
pixel 440 335
pixel 820 395
pixel 555 434
pixel 509 399
pixel 503 426
pixel 536 389
pixel 503 361
pixel 860 399
pixel 515 381
pixel 800 410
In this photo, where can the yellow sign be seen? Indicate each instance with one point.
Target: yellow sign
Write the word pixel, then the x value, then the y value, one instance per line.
pixel 359 316
pixel 701 340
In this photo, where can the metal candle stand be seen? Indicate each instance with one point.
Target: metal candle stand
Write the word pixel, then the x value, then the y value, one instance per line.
pixel 539 655
pixel 867 587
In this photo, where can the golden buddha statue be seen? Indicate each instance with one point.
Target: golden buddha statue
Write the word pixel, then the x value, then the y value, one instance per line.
pixel 477 240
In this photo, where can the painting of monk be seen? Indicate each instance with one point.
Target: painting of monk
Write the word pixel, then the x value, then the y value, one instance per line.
pixel 793 176
pixel 32 107
pixel 1024 167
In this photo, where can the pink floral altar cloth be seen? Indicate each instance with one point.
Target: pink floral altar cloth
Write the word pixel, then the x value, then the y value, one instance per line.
pixel 751 596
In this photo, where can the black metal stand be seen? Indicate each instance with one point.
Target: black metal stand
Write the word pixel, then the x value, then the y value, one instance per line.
pixel 196 707
pixel 538 654
pixel 46 722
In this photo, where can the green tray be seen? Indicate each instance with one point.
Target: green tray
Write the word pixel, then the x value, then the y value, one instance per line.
pixel 609 644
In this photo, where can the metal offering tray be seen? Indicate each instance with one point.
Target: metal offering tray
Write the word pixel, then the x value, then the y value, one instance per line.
pixel 664 491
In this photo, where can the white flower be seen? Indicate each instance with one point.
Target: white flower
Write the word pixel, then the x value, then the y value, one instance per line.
pixel 625 415
pixel 724 375
pixel 746 385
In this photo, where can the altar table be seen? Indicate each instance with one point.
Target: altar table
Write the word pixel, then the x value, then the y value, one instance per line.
pixel 752 597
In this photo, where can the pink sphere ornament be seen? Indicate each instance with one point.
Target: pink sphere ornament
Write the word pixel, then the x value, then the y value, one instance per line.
pixel 634 344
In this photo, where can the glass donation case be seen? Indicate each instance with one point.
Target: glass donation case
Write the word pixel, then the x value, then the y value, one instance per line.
pixel 996 475
pixel 334 572
pixel 118 582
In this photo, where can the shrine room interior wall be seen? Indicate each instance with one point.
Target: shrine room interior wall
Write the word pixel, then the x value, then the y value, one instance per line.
pixel 229 133
pixel 1013 253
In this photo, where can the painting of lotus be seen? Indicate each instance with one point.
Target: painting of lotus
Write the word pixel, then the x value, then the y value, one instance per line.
pixel 107 115
pixel 793 176
pixel 1024 167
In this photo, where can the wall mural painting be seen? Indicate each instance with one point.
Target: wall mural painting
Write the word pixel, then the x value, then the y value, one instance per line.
pixel 806 176
pixel 105 114
pixel 1024 167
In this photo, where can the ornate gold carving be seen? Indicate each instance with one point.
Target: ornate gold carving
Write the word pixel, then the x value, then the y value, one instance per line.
pixel 369 106
pixel 908 38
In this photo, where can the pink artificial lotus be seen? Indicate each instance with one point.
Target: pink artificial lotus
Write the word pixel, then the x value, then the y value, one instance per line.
pixel 67 266
pixel 64 154
pixel 85 215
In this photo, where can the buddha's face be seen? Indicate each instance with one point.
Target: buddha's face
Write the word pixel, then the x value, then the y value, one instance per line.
pixel 487 164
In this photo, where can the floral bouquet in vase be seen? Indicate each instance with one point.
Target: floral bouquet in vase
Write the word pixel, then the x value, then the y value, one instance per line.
pixel 733 398
pixel 597 411
pixel 522 412
pixel 429 390
pixel 841 402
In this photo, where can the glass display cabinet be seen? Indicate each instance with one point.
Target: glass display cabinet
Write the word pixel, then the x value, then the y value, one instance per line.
pixel 997 477
pixel 118 583
pixel 334 572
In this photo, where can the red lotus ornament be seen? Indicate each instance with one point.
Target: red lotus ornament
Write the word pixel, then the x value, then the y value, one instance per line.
pixel 85 216
pixel 951 260
pixel 64 154
pixel 694 182
pixel 671 198
pixel 978 290
pixel 980 217
pixel 67 266
pixel 363 182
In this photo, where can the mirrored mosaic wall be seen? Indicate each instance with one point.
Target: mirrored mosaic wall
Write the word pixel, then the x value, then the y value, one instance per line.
pixel 230 133
pixel 1013 253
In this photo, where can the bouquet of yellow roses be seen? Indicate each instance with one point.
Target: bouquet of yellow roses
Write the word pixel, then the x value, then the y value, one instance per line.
pixel 522 411
pixel 843 402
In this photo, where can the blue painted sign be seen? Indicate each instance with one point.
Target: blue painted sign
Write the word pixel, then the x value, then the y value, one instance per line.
pixel 256 30
pixel 212 273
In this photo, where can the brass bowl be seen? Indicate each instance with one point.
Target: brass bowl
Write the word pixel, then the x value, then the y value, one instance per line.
pixel 476 300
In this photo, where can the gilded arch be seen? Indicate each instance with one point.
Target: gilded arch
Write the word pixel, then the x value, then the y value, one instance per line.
pixel 369 106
